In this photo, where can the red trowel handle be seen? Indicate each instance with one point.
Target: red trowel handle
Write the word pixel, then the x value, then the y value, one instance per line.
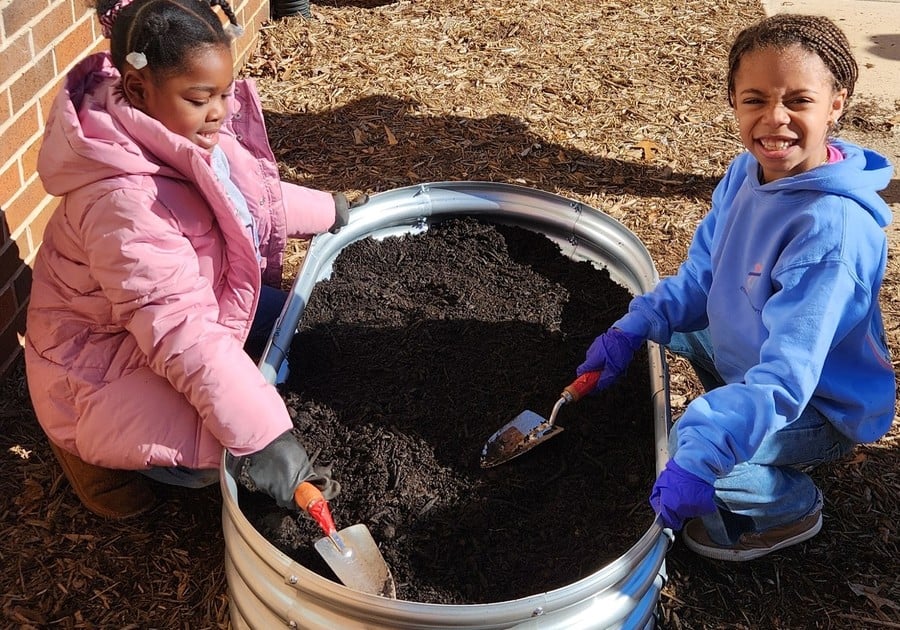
pixel 310 500
pixel 582 385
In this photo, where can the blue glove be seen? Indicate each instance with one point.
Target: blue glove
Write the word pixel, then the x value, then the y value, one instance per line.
pixel 610 354
pixel 679 495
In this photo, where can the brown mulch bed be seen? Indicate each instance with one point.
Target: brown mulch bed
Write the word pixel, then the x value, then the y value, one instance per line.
pixel 619 104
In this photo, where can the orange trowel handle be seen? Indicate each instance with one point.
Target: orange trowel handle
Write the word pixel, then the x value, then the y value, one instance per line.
pixel 582 385
pixel 310 500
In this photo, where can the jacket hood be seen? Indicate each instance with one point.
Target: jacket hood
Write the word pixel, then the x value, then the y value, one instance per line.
pixel 859 176
pixel 93 134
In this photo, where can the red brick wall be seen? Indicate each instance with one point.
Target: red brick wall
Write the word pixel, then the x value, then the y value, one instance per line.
pixel 40 40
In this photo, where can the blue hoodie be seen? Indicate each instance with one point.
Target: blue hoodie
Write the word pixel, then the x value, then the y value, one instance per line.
pixel 786 277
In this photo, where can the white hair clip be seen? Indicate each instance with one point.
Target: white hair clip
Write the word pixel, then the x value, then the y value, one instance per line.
pixel 137 60
pixel 234 30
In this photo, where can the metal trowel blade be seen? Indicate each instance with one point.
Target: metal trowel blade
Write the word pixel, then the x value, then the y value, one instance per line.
pixel 361 566
pixel 517 436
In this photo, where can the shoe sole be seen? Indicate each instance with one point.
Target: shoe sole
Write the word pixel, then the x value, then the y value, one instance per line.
pixel 742 555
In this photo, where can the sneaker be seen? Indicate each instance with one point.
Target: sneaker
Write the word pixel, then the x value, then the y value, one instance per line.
pixel 751 545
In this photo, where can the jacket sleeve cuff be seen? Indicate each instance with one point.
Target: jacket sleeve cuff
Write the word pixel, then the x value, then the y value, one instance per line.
pixel 634 324
pixel 693 460
pixel 307 211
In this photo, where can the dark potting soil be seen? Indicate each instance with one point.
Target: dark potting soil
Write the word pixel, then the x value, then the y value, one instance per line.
pixel 409 357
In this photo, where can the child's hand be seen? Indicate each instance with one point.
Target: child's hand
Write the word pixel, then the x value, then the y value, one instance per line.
pixel 610 354
pixel 679 495
pixel 342 209
pixel 281 466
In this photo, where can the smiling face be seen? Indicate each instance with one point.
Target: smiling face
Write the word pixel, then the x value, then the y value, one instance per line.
pixel 785 103
pixel 193 103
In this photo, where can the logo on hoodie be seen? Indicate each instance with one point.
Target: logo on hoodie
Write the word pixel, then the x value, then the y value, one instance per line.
pixel 750 282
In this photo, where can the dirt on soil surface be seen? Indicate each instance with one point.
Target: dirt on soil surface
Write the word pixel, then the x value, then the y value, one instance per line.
pixel 409 356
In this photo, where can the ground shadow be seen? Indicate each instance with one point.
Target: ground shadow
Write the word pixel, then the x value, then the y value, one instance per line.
pixel 15 275
pixel 891 194
pixel 380 142
pixel 424 378
pixel 363 4
pixel 410 409
pixel 885 46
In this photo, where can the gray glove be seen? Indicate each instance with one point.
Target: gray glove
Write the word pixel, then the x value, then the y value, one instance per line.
pixel 342 209
pixel 283 465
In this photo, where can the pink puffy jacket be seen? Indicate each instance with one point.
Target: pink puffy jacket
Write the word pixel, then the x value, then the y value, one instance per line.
pixel 146 283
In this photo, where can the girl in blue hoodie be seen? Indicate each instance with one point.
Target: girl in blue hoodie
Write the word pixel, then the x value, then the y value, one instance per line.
pixel 776 305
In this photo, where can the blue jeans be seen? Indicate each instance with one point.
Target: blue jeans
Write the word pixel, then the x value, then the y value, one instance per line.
pixel 772 488
pixel 271 301
pixel 184 477
pixel 268 309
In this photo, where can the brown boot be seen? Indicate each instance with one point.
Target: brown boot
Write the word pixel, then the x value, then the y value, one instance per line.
pixel 113 494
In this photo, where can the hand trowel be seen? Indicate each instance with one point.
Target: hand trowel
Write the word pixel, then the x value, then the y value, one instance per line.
pixel 528 429
pixel 351 552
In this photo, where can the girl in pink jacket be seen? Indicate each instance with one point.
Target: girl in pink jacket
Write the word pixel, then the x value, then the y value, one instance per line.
pixel 155 268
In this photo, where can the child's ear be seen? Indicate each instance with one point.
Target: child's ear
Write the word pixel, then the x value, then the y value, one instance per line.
pixel 837 106
pixel 134 86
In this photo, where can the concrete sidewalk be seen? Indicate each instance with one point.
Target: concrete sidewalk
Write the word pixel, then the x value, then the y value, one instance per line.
pixel 873 28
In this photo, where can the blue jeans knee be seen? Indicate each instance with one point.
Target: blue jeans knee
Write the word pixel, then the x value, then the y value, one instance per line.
pixel 773 487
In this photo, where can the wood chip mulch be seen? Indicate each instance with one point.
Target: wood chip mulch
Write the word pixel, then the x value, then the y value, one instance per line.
pixel 619 104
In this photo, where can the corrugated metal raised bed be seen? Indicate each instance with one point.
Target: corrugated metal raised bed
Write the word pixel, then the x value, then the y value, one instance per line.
pixel 267 589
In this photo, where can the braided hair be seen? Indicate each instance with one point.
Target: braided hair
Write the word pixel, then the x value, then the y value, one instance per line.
pixel 164 31
pixel 815 33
